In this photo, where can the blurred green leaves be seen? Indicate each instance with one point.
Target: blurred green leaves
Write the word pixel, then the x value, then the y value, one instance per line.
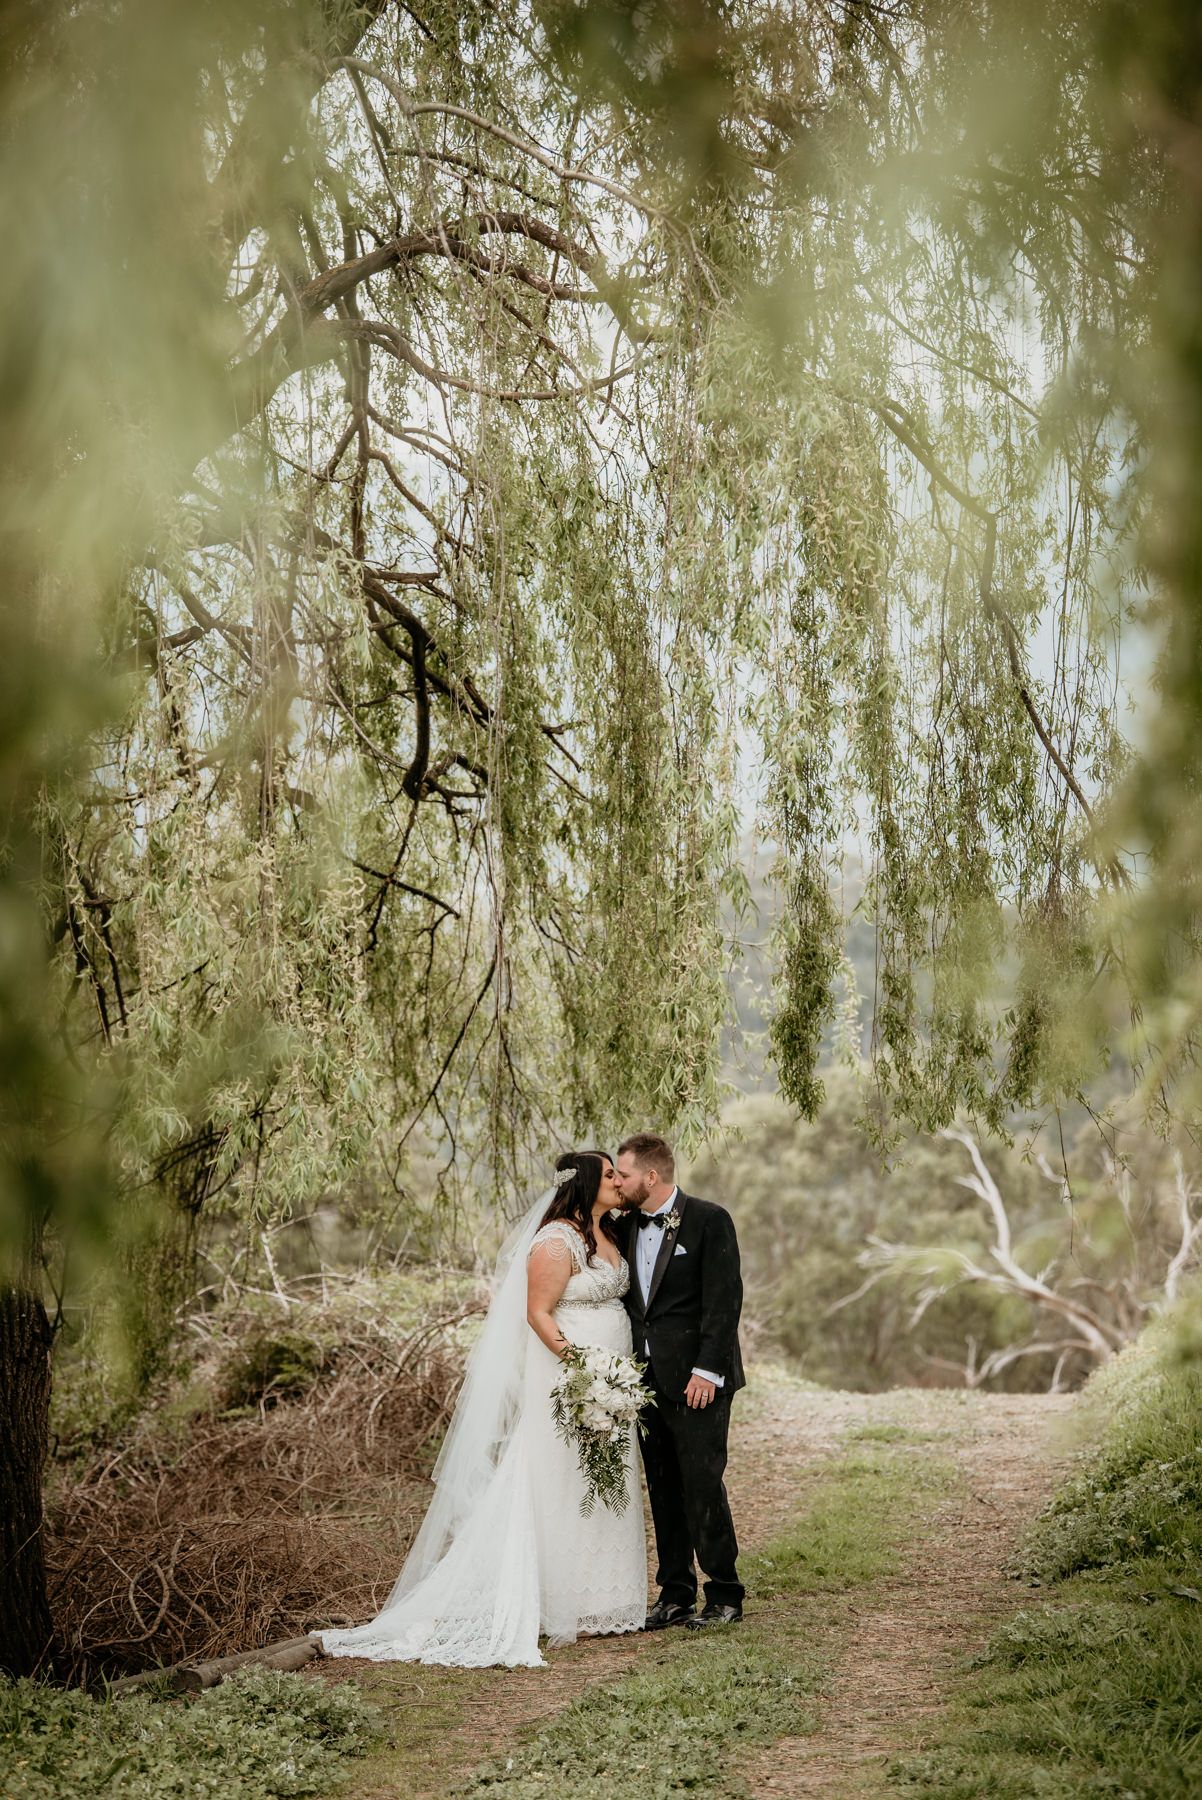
pixel 909 434
pixel 118 336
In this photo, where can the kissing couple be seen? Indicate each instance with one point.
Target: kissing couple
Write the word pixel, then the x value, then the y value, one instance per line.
pixel 613 1259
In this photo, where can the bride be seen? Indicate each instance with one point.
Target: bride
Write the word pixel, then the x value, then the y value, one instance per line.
pixel 504 1554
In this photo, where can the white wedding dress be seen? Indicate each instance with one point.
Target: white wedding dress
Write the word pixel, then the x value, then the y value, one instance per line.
pixel 505 1553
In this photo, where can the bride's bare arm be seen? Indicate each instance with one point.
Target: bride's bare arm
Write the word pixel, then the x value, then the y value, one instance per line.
pixel 547 1274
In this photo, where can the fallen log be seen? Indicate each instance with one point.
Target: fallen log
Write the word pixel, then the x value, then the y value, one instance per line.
pixel 194 1677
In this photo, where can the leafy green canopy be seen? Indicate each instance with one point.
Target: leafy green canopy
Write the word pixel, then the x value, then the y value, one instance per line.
pixel 465 430
pixel 962 394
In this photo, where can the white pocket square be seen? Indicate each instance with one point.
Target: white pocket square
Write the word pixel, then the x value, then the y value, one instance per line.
pixel 680 1250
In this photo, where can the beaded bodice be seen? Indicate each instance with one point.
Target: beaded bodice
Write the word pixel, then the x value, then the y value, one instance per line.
pixel 592 1282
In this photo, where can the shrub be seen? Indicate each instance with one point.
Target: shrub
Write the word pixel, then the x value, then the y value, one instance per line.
pixel 196 1532
pixel 1138 1491
pixel 270 1366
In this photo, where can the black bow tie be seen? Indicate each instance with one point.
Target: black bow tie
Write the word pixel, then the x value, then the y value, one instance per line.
pixel 645 1219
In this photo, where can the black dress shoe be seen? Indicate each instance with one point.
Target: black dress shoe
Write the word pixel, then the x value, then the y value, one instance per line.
pixel 715 1615
pixel 668 1612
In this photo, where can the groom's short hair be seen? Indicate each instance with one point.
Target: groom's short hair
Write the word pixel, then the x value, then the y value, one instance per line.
pixel 651 1152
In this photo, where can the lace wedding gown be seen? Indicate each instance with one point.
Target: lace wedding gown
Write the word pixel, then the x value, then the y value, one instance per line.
pixel 521 1559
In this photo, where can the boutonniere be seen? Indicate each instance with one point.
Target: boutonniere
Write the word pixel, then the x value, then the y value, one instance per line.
pixel 672 1222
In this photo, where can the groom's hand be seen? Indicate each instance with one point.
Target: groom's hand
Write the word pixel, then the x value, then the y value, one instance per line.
pixel 699 1391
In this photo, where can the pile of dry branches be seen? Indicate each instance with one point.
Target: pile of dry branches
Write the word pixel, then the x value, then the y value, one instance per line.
pixel 256 1525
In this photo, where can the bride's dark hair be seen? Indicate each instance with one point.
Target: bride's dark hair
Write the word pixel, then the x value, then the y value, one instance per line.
pixel 574 1197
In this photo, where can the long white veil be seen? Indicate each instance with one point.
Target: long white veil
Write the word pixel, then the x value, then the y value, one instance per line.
pixel 487 1410
pixel 471 1593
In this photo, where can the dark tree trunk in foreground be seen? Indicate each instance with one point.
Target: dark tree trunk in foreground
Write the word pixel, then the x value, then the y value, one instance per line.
pixel 25 1335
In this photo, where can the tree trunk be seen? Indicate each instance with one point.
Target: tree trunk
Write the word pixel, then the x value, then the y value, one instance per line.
pixel 25 1336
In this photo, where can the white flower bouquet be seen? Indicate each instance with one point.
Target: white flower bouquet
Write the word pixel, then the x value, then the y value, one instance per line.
pixel 596 1402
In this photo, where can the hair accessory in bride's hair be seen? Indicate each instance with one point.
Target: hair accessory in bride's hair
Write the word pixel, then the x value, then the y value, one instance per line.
pixel 562 1175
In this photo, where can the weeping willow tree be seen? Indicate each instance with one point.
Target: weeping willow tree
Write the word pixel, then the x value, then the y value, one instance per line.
pixel 446 440
pixel 929 409
pixel 415 728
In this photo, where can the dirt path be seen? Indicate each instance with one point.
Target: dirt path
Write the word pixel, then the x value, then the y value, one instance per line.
pixel 889 1664
pixel 892 1666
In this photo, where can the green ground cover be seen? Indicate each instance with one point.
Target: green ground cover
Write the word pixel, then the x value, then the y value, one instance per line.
pixel 686 1715
pixel 260 1736
pixel 1097 1690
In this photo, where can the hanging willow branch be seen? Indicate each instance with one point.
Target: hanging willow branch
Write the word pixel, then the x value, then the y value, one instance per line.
pixel 546 395
pixel 902 428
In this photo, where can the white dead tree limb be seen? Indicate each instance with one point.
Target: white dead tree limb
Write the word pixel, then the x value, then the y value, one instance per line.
pixel 940 1269
pixel 1098 1335
pixel 975 1373
pixel 1082 1316
pixel 277 1286
pixel 1186 1254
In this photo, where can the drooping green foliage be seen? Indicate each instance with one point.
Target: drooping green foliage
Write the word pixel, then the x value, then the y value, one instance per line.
pixel 944 274
pixel 460 460
pixel 517 425
pixel 403 798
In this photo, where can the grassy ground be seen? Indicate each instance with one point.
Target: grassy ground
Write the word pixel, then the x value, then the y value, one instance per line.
pixel 260 1736
pixel 879 1527
pixel 684 1716
pixel 1097 1690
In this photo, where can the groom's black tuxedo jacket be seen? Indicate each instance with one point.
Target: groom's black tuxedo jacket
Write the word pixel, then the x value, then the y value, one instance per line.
pixel 690 1319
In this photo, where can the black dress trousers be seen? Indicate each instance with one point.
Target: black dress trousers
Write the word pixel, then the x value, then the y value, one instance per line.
pixel 684 1454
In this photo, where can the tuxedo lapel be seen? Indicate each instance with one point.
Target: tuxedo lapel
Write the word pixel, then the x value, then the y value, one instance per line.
pixel 665 1252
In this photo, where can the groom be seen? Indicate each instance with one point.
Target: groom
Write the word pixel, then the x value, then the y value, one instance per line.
pixel 684 1300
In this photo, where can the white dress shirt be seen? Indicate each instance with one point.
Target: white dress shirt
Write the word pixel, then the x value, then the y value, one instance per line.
pixel 646 1249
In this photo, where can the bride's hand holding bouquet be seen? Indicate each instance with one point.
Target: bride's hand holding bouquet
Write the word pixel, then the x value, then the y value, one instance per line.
pixel 596 1402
